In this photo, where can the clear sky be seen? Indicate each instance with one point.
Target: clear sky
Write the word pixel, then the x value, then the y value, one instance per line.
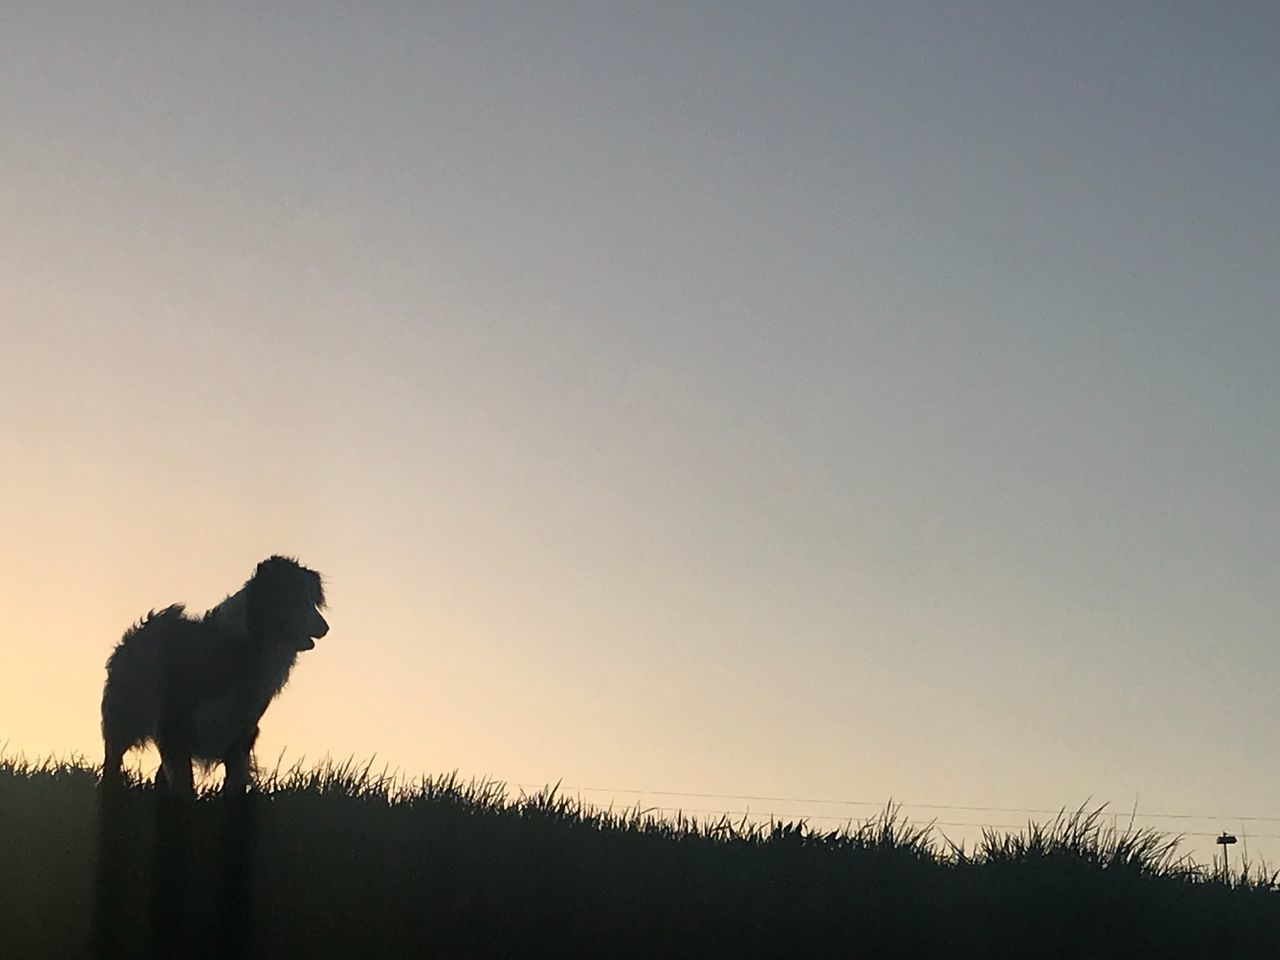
pixel 821 400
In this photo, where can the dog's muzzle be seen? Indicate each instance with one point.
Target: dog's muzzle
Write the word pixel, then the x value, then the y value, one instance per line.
pixel 319 627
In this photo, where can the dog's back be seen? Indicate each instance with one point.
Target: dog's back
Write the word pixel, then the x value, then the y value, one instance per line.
pixel 191 674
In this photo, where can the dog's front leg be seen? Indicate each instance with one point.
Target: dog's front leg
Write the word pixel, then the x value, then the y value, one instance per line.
pixel 175 768
pixel 239 766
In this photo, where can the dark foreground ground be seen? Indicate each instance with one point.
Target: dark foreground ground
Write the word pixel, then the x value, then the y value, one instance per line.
pixel 335 862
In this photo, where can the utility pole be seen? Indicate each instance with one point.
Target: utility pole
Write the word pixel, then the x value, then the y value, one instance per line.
pixel 1225 839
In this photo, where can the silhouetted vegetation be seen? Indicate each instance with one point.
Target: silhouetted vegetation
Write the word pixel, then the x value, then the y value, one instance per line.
pixel 337 861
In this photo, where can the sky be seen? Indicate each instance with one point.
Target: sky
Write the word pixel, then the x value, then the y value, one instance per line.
pixel 822 400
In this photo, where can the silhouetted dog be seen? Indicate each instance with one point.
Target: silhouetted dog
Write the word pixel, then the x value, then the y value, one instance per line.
pixel 197 688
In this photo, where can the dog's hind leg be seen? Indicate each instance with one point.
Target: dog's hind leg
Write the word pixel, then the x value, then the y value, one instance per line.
pixel 113 764
pixel 174 741
pixel 174 737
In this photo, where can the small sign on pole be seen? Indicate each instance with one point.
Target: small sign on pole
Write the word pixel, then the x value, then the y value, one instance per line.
pixel 1225 839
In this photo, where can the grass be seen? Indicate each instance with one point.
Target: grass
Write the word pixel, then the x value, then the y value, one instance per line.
pixel 338 860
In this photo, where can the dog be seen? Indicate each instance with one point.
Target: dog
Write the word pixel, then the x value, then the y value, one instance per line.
pixel 197 687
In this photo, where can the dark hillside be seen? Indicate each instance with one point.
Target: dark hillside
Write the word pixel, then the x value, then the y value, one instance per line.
pixel 337 863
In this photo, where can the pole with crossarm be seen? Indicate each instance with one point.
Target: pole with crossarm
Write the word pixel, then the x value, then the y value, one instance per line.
pixel 1225 839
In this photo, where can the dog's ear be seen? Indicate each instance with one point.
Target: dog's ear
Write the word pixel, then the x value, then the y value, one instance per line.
pixel 269 600
pixel 316 583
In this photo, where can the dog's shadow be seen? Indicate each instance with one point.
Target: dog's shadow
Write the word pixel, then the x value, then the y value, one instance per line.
pixel 174 876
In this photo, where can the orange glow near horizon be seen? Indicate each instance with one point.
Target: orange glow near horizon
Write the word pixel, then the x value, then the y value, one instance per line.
pixel 789 409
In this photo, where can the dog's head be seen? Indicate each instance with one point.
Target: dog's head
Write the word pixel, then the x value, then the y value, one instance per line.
pixel 284 604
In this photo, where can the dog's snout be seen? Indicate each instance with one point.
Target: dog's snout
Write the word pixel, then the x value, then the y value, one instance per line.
pixel 321 627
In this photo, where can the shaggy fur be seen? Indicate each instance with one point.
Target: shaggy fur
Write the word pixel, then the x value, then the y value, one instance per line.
pixel 198 687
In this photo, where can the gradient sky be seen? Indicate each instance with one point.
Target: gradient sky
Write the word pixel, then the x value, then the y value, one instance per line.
pixel 822 400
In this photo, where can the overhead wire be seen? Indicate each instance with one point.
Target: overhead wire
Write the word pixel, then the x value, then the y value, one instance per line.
pixel 826 801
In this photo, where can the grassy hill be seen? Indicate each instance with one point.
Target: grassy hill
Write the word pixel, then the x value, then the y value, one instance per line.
pixel 337 862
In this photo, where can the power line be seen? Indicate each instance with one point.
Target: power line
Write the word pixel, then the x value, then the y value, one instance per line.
pixel 756 798
pixel 780 815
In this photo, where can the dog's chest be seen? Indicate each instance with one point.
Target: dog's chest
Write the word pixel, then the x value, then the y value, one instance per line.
pixel 230 715
pixel 221 721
